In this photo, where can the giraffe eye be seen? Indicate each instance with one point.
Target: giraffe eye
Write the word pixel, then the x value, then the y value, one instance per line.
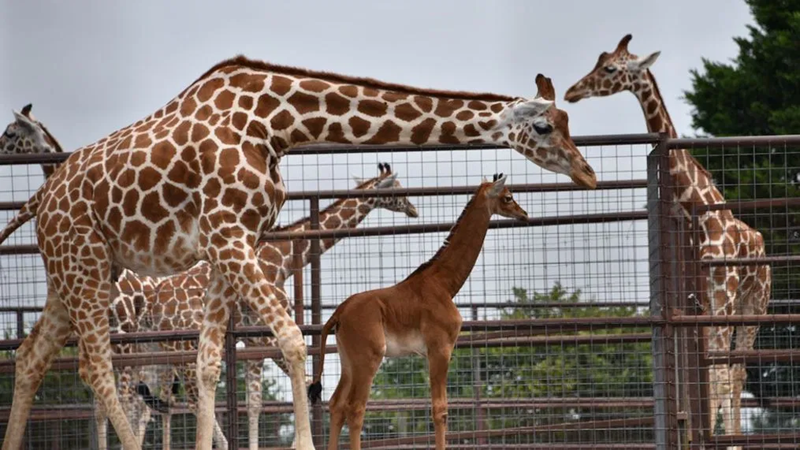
pixel 542 129
pixel 610 69
pixel 508 199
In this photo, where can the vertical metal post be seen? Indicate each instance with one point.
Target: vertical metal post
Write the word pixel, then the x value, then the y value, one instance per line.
pixel 297 278
pixel 316 314
pixel 20 324
pixel 661 261
pixel 230 383
pixel 477 384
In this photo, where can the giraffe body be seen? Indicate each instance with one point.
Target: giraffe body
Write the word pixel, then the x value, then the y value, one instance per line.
pixel 728 290
pixel 198 180
pixel 414 317
pixel 176 303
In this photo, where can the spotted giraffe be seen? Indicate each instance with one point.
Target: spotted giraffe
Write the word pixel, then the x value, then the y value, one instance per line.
pixel 177 303
pixel 27 135
pixel 198 180
pixel 729 290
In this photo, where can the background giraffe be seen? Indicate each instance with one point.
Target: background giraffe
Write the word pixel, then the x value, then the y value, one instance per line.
pixel 177 302
pixel 198 180
pixel 729 290
pixel 26 135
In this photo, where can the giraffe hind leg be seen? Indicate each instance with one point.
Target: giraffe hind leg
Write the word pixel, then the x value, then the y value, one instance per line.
pixel 33 358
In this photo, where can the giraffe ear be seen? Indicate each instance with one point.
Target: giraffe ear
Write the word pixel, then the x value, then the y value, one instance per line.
pixel 386 182
pixel 644 62
pixel 357 179
pixel 25 122
pixel 531 108
pixel 545 86
pixel 497 186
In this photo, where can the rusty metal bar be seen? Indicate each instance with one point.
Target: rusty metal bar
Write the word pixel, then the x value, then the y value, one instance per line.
pixel 231 384
pixel 742 205
pixel 753 439
pixel 477 384
pixel 315 251
pixel 695 339
pixel 429 191
pixel 407 229
pixel 20 324
pixel 752 356
pixel 297 279
pixel 659 194
pixel 738 319
pixel 772 260
pixel 516 431
pixel 734 141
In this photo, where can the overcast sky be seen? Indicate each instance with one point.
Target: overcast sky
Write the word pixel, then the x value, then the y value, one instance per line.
pixel 92 69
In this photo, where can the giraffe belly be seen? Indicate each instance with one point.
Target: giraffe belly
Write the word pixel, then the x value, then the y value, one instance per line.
pixel 410 343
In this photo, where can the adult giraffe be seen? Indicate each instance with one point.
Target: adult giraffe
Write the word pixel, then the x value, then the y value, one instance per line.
pixel 729 290
pixel 199 180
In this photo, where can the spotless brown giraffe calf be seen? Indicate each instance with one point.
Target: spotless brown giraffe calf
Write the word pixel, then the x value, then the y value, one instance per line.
pixel 198 180
pixel 729 290
pixel 415 316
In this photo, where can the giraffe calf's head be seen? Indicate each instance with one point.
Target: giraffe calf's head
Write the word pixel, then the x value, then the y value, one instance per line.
pixel 387 179
pixel 26 135
pixel 540 131
pixel 614 72
pixel 499 200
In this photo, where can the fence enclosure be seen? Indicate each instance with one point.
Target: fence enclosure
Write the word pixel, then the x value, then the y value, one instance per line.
pixel 582 328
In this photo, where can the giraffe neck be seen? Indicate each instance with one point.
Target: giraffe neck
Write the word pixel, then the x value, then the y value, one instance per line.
pixel 295 107
pixel 451 265
pixel 693 183
pixel 346 213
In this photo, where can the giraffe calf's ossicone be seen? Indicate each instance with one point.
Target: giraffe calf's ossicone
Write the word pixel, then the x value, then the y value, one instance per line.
pixel 415 316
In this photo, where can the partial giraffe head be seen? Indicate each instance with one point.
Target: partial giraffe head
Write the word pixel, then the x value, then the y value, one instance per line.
pixel 614 72
pixel 499 200
pixel 27 135
pixel 540 131
pixel 387 179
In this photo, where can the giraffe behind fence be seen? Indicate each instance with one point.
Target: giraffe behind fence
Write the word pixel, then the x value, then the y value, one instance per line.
pixel 730 290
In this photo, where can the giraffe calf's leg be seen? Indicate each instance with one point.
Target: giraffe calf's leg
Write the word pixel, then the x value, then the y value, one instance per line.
pixel 33 358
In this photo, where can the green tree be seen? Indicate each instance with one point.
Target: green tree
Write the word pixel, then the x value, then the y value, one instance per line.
pixel 759 94
pixel 525 371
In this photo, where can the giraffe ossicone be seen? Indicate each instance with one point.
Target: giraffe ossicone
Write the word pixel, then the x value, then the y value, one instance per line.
pixel 199 180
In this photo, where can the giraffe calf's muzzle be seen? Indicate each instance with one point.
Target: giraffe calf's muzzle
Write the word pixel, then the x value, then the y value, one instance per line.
pixel 411 211
pixel 575 94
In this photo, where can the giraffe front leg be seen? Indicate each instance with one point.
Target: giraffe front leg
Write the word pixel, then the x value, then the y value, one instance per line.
pixel 33 359
pixel 189 374
pixel 243 272
pixel 100 416
pixel 219 295
pixel 439 351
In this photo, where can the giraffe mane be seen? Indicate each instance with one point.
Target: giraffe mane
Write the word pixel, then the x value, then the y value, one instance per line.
pixel 657 93
pixel 241 60
pixel 446 243
pixel 53 140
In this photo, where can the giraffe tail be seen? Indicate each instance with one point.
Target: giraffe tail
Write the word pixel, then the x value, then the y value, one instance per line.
pixel 26 213
pixel 315 388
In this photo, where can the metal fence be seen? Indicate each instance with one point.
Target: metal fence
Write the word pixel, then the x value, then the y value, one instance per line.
pixel 583 327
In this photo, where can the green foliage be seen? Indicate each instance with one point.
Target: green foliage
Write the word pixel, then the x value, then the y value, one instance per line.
pixel 525 372
pixel 759 93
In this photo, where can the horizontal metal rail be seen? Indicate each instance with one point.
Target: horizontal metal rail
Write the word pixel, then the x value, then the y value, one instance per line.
pixel 734 141
pixel 772 260
pixel 743 205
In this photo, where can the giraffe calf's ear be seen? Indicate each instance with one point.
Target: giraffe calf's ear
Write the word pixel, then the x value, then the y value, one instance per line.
pixel 386 182
pixel 497 186
pixel 357 179
pixel 25 122
pixel 644 62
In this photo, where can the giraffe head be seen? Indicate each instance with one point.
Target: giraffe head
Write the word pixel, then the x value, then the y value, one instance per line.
pixel 540 131
pixel 387 179
pixel 499 199
pixel 614 72
pixel 26 135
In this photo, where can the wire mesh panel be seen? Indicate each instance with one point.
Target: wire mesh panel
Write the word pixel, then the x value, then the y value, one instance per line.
pixel 579 325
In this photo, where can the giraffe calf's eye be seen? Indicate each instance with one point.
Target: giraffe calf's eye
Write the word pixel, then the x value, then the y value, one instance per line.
pixel 508 199
pixel 610 69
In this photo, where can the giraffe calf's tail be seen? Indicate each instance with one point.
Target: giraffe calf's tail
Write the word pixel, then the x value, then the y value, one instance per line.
pixel 315 388
pixel 150 400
